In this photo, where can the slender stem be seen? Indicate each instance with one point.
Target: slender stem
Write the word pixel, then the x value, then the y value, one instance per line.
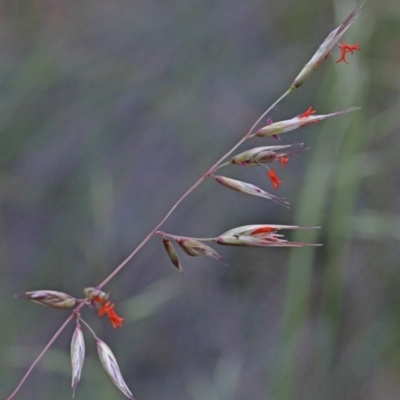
pixel 88 326
pixel 52 340
pixel 215 166
pixel 175 237
pixel 148 237
pixel 204 177
pixel 222 165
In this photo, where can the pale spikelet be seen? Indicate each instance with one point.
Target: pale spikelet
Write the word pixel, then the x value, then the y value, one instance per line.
pixel 277 128
pixel 266 154
pixel 323 51
pixel 110 365
pixel 173 256
pixel 262 229
pixel 50 298
pixel 249 188
pixel 195 248
pixel 259 236
pixel 91 293
pixel 77 356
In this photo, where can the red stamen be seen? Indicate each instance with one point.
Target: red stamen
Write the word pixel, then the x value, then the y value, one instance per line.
pixel 284 161
pixel 275 180
pixel 108 308
pixel 307 113
pixel 347 48
pixel 98 299
pixel 116 320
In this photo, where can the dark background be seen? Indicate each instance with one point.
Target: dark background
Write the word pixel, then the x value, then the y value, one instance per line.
pixel 110 110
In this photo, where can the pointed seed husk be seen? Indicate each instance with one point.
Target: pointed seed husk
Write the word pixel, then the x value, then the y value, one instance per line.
pixel 249 188
pixel 195 248
pixel 77 356
pixel 173 256
pixel 110 365
pixel 50 298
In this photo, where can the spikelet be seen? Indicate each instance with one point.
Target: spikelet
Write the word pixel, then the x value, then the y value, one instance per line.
pixel 77 356
pixel 277 128
pixel 173 256
pixel 249 188
pixel 265 155
pixel 110 365
pixel 323 51
pixel 50 298
pixel 195 248
pixel 259 236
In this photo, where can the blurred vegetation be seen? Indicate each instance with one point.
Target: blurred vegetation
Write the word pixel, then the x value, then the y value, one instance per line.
pixel 110 110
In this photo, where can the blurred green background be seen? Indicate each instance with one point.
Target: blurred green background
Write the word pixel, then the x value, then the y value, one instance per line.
pixel 110 110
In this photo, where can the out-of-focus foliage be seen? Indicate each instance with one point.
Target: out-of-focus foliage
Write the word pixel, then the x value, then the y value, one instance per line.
pixel 111 109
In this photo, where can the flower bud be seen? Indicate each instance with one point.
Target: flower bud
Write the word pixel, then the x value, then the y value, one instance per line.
pixel 277 128
pixel 195 248
pixel 173 256
pixel 77 356
pixel 49 298
pixel 249 188
pixel 110 365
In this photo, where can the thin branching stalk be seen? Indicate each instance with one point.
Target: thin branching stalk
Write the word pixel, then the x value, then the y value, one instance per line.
pixel 88 326
pixel 259 235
